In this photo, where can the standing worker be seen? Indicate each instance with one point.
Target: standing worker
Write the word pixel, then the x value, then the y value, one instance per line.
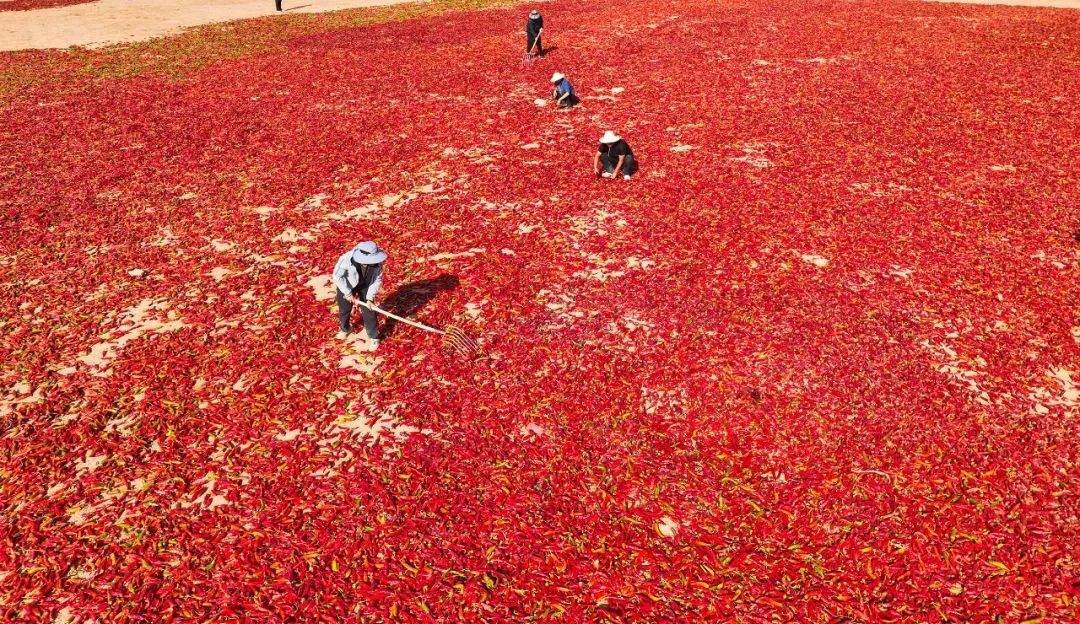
pixel 358 277
pixel 534 27
pixel 563 92
pixel 615 156
pixel 277 3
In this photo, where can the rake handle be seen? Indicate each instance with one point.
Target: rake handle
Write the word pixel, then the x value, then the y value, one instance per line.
pixel 378 310
pixel 535 41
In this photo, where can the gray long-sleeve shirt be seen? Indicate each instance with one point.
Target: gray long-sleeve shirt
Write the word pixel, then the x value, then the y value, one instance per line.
pixel 348 278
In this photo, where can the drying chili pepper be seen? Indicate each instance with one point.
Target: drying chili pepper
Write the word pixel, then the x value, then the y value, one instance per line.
pixel 818 360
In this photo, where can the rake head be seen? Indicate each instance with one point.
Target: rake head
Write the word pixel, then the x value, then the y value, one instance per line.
pixel 460 342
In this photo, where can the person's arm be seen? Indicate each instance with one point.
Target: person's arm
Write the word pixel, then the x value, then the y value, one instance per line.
pixel 376 284
pixel 596 162
pixel 562 97
pixel 341 282
pixel 618 166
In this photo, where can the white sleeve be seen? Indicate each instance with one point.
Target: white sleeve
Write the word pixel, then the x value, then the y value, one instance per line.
pixel 341 272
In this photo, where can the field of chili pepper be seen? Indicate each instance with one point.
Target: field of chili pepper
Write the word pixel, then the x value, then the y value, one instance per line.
pixel 819 361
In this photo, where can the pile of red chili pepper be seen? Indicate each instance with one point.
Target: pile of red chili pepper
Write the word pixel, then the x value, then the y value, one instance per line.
pixel 818 361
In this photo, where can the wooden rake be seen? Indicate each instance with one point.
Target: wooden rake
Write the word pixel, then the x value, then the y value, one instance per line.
pixel 453 337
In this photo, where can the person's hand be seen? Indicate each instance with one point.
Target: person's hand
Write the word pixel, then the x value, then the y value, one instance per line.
pixel 607 175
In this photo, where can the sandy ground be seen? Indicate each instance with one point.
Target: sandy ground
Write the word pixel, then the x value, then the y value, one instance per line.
pixel 107 22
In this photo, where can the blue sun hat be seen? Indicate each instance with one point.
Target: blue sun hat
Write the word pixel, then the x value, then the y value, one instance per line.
pixel 368 252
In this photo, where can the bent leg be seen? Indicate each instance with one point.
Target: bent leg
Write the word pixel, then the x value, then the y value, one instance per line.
pixel 344 311
pixel 370 323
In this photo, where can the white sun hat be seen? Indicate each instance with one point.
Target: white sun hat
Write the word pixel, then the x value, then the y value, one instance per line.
pixel 534 14
pixel 556 77
pixel 368 252
pixel 609 138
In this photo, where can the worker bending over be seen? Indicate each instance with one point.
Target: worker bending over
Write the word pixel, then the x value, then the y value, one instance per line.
pixel 563 91
pixel 357 278
pixel 614 157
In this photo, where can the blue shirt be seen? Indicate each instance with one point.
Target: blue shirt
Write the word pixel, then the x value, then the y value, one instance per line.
pixel 564 86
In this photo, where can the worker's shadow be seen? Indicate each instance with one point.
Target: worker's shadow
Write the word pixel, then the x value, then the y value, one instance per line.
pixel 410 298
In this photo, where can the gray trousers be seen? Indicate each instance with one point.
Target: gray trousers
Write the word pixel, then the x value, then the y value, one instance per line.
pixel 345 308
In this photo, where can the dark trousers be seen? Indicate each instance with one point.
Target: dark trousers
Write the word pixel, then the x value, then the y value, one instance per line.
pixel 530 41
pixel 571 100
pixel 345 308
pixel 277 3
pixel 629 166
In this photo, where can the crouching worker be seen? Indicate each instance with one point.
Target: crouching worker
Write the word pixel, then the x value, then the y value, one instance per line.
pixel 563 92
pixel 614 157
pixel 534 28
pixel 358 277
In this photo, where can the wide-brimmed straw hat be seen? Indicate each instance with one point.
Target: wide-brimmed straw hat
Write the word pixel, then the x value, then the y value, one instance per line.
pixel 534 14
pixel 610 137
pixel 368 252
pixel 556 77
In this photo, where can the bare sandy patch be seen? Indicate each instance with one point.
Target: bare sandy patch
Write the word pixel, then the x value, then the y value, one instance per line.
pixel 753 155
pixel 819 261
pixel 322 286
pixel 150 316
pixel 442 259
pixel 207 499
pixel 20 394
